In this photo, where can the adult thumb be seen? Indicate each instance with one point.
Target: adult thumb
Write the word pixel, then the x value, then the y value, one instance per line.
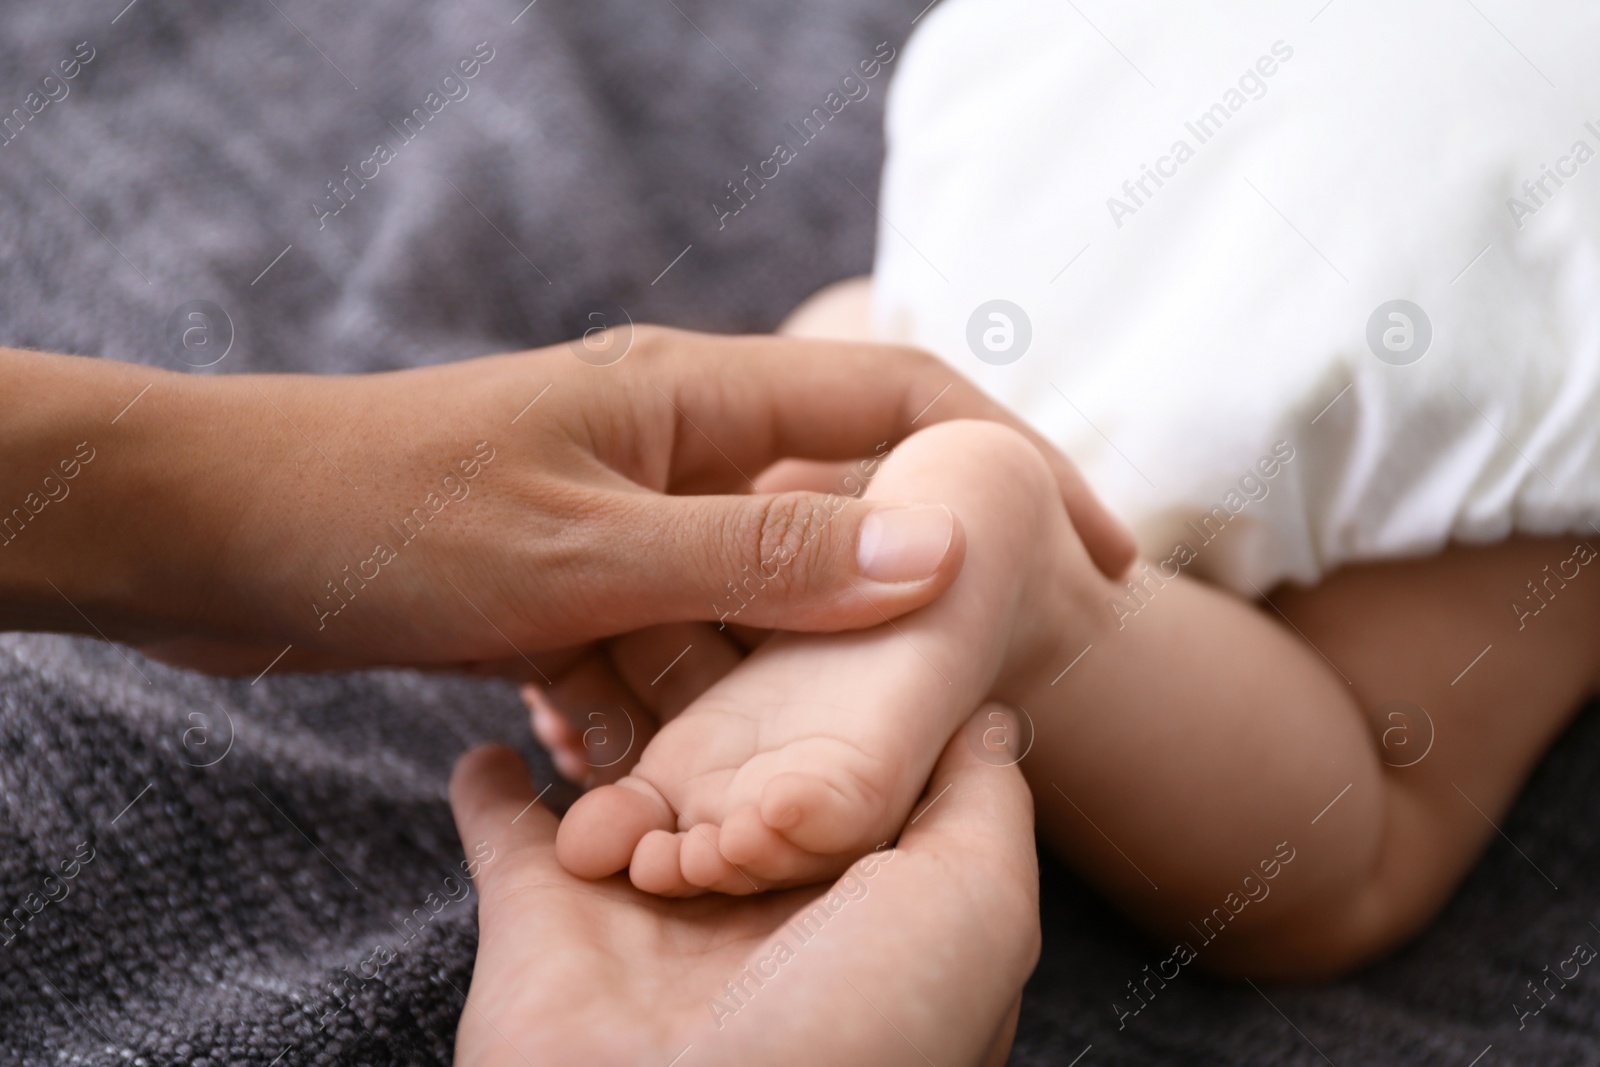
pixel 494 805
pixel 793 561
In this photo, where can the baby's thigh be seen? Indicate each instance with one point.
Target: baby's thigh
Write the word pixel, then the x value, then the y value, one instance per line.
pixel 1375 726
pixel 1496 668
pixel 1467 665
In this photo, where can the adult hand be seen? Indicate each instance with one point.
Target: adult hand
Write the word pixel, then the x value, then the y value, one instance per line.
pixel 918 950
pixel 479 511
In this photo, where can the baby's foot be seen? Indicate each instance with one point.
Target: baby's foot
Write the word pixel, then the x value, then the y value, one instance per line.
pixel 812 751
pixel 601 711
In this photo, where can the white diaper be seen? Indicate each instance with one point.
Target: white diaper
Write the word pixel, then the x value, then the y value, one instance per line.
pixel 1200 335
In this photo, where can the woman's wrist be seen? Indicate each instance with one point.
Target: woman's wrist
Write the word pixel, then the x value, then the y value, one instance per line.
pixel 108 513
pixel 151 505
pixel 57 416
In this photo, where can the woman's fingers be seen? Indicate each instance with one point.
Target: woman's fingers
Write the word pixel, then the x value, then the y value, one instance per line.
pixel 772 398
pixel 589 720
pixel 817 476
pixel 667 667
pixel 800 559
pixel 795 560
pixel 977 800
pixel 596 718
pixel 497 813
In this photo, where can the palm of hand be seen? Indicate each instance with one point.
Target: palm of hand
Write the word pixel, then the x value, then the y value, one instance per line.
pixel 922 948
pixel 598 972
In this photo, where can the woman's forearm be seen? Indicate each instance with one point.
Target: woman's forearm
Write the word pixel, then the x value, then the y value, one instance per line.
pixel 101 529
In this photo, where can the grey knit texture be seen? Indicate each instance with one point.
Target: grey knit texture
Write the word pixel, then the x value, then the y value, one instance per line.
pixel 202 865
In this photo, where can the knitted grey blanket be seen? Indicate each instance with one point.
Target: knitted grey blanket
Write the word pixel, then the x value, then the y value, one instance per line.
pixel 194 871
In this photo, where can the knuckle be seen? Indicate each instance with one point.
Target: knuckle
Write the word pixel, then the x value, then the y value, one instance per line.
pixel 788 536
pixel 930 377
pixel 563 525
pixel 650 342
pixel 915 358
pixel 922 366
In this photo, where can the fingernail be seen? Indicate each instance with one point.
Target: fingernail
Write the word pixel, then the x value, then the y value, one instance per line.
pixel 904 544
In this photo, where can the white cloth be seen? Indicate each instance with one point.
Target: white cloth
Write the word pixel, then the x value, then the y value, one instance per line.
pixel 1215 317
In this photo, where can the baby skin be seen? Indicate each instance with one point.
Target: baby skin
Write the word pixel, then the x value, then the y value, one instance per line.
pixel 1289 788
pixel 811 753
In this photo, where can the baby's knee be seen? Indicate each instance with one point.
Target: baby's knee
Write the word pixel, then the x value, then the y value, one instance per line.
pixel 1325 945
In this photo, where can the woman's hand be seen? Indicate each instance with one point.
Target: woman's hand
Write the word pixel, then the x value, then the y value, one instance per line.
pixel 917 951
pixel 476 512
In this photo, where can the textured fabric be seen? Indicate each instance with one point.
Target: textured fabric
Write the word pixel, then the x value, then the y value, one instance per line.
pixel 198 871
pixel 224 906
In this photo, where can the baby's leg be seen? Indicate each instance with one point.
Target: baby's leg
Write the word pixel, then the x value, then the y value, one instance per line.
pixel 838 312
pixel 1194 738
pixel 812 751
pixel 1202 739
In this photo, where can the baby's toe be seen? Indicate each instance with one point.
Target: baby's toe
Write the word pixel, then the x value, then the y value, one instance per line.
pixel 763 854
pixel 600 833
pixel 704 864
pixel 747 840
pixel 819 815
pixel 657 866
